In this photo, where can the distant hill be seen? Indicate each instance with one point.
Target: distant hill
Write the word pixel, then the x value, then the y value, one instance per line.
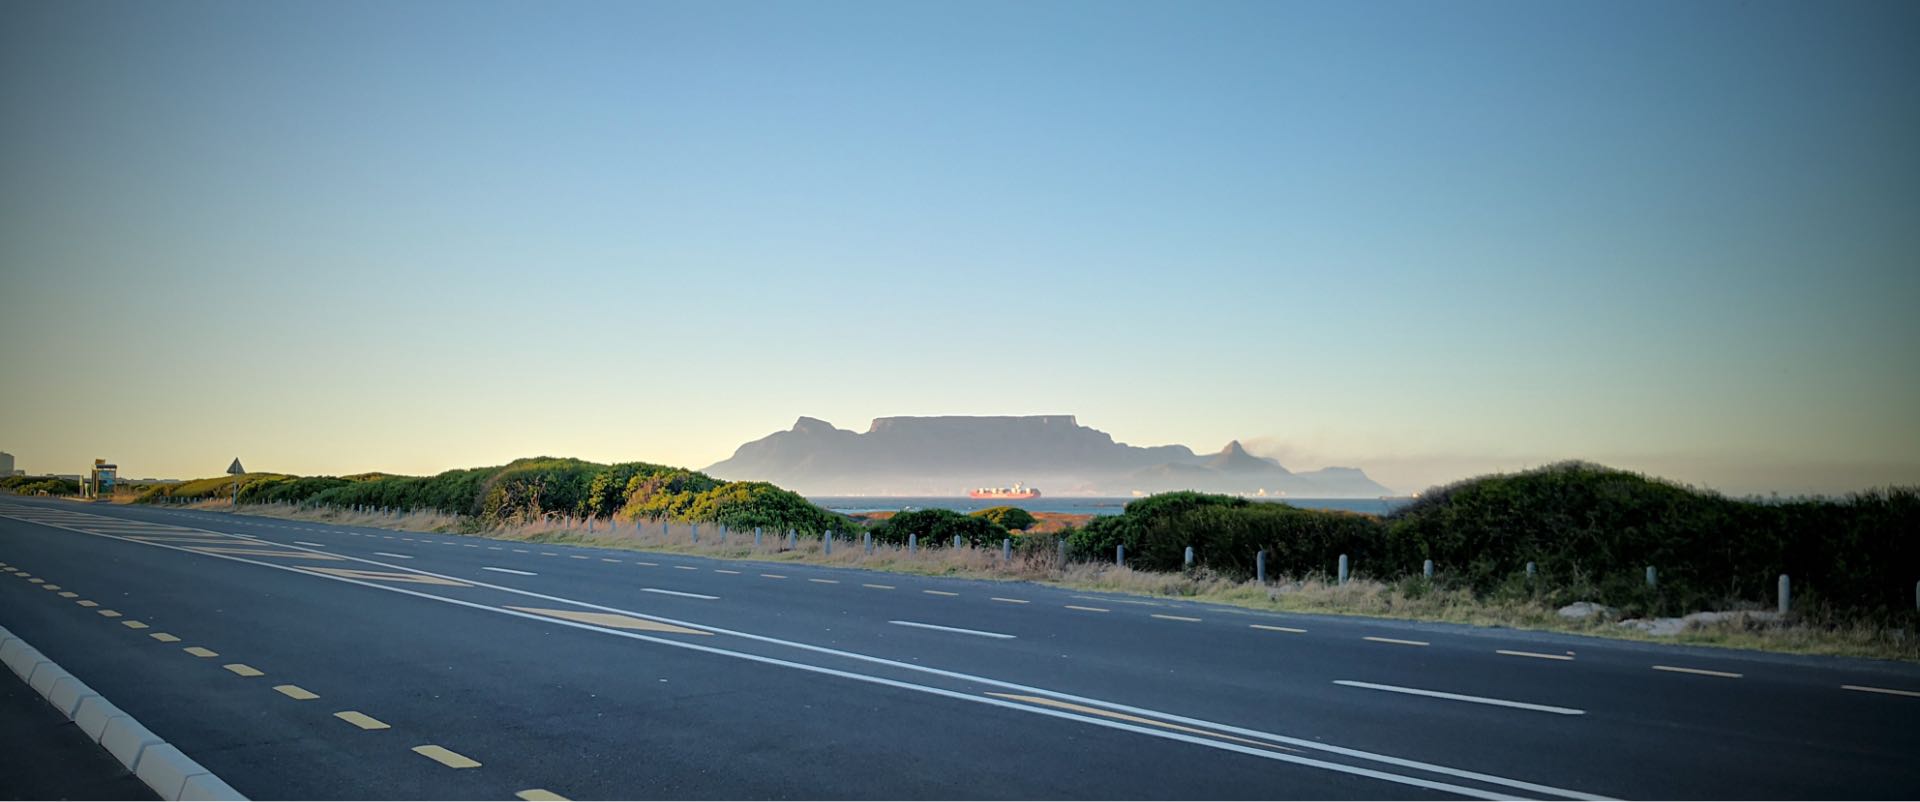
pixel 947 455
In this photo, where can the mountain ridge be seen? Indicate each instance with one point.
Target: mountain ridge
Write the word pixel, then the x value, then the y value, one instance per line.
pixel 947 454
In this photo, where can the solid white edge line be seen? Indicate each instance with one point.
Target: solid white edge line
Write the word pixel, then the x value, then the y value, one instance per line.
pixel 315 545
pixel 952 629
pixel 507 571
pixel 679 593
pixel 1461 697
pixel 391 554
pixel 1359 754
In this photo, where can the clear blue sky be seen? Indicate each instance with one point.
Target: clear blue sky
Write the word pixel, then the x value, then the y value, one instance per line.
pixel 1429 239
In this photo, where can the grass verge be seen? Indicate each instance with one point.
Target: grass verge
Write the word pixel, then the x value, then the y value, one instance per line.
pixel 1414 599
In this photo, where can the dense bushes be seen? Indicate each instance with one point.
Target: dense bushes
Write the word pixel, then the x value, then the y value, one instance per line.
pixel 35 485
pixel 938 527
pixel 1591 531
pixel 530 489
pixel 1227 531
pixel 1008 517
pixel 1591 527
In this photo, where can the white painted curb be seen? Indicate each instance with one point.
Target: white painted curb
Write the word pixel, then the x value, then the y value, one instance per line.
pixel 172 775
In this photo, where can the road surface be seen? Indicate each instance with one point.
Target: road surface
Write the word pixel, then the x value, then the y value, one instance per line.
pixel 298 659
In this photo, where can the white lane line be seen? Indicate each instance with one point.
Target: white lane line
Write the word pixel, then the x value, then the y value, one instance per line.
pixel 305 543
pixel 952 629
pixel 1533 655
pixel 1871 689
pixel 1316 745
pixel 1459 697
pixel 1276 629
pixel 678 593
pixel 507 571
pixel 1396 640
pixel 1701 671
pixel 393 555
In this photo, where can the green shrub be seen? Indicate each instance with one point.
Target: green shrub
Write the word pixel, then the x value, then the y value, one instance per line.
pixel 1010 518
pixel 938 527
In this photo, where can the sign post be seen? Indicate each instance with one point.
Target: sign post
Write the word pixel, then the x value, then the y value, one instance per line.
pixel 235 471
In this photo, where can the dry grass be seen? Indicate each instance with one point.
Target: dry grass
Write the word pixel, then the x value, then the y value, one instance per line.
pixel 1411 600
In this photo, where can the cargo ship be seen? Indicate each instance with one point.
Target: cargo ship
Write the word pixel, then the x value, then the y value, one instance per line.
pixel 1017 491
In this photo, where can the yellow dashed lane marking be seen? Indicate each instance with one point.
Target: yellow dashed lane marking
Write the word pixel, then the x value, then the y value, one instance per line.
pixel 1510 653
pixel 296 692
pixel 1276 629
pixel 164 637
pixel 1009 601
pixel 540 795
pixel 447 757
pixel 1088 609
pixel 1175 617
pixel 1397 641
pixel 133 625
pixel 243 670
pixel 386 576
pixel 1701 671
pixel 938 593
pixel 877 587
pixel 610 620
pixel 361 720
pixel 1094 711
pixel 200 651
pixel 1871 689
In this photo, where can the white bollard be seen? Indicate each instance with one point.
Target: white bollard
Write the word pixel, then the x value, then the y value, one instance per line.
pixel 1343 569
pixel 1652 578
pixel 756 537
pixel 1260 566
pixel 1120 554
pixel 1531 570
pixel 956 541
pixel 1427 569
pixel 793 540
pixel 826 543
pixel 913 541
pixel 866 542
pixel 1188 562
pixel 1006 549
pixel 1786 594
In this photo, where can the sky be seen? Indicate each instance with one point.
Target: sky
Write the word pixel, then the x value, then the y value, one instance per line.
pixel 1427 239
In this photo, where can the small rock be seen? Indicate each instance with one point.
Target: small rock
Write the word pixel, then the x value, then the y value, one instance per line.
pixel 1579 611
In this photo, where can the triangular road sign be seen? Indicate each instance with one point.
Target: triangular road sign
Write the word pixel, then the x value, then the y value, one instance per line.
pixel 235 468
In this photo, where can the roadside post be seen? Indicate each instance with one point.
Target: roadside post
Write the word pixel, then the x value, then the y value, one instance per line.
pixel 1652 578
pixel 235 471
pixel 826 544
pixel 1188 561
pixel 913 541
pixel 1786 594
pixel 1260 566
pixel 1426 570
pixel 1006 550
pixel 1343 569
pixel 1120 554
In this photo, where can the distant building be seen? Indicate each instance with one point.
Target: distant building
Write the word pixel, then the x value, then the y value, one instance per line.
pixel 6 464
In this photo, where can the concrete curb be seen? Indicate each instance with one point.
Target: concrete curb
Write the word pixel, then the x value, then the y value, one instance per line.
pixel 171 774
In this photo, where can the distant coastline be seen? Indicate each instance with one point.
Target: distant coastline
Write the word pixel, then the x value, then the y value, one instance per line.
pixel 1073 505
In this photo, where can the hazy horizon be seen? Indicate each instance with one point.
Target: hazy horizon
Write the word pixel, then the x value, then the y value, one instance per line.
pixel 1426 240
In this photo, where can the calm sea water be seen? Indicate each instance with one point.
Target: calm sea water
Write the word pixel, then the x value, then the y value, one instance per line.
pixel 1079 505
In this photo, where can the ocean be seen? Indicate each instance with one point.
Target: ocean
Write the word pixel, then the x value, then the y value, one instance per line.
pixel 1077 505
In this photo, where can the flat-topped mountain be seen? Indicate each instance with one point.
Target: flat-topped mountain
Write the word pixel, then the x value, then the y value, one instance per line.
pixel 947 455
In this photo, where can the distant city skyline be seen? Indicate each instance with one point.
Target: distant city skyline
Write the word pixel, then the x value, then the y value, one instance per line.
pixel 1427 240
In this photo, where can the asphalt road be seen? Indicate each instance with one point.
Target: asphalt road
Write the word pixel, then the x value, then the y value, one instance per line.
pixel 597 673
